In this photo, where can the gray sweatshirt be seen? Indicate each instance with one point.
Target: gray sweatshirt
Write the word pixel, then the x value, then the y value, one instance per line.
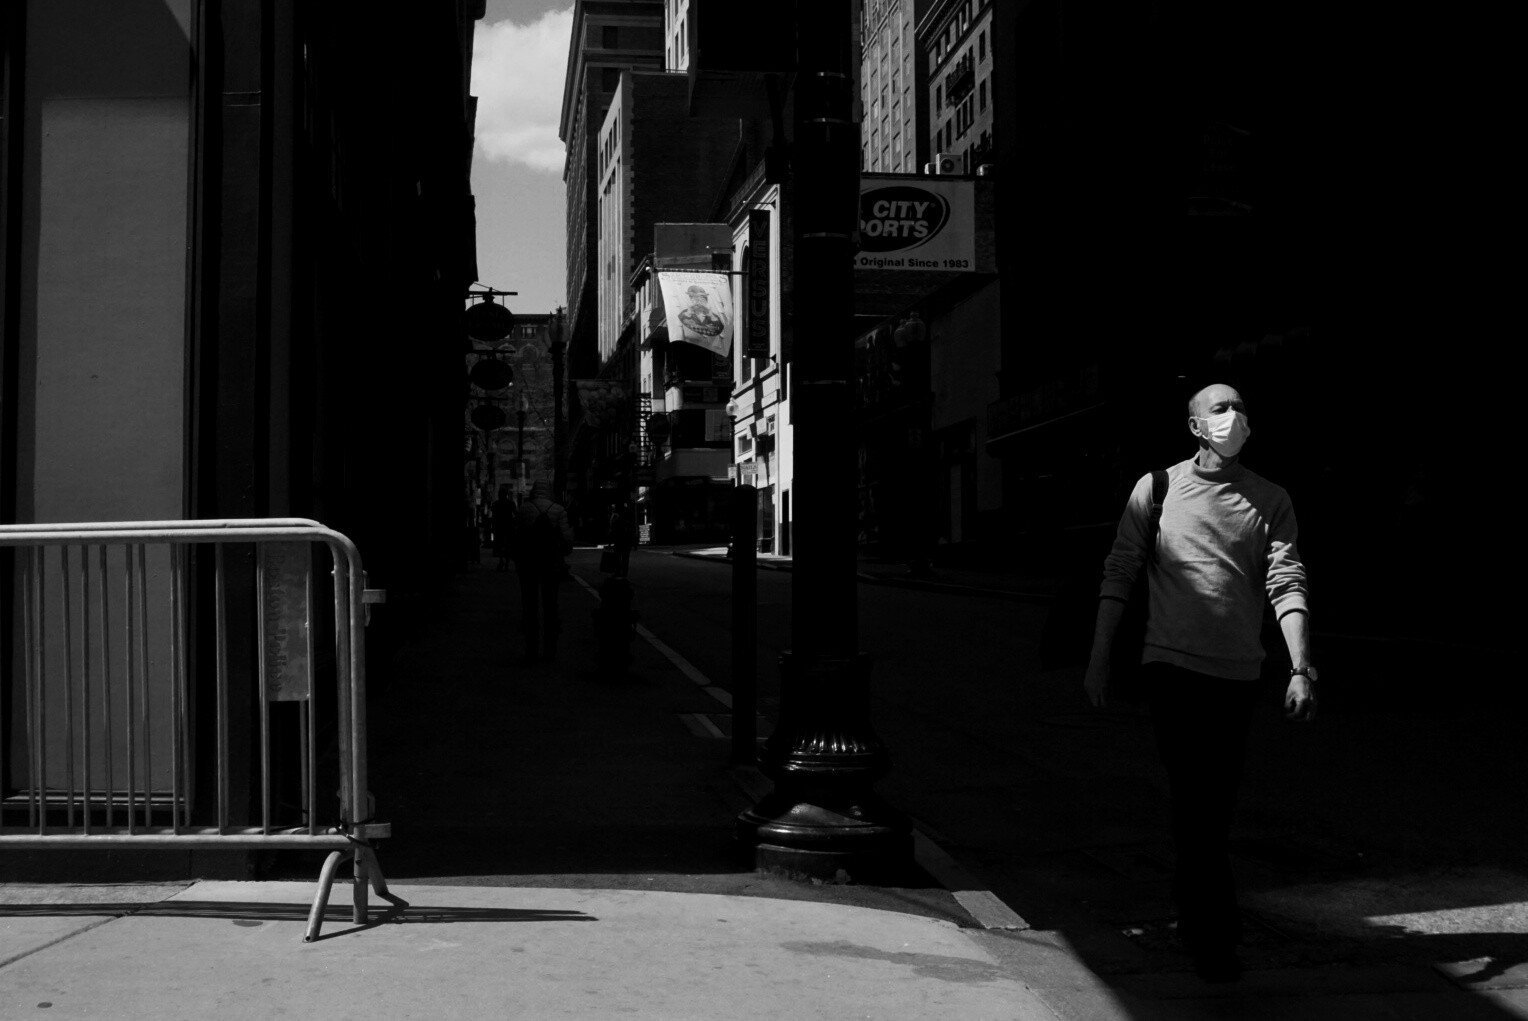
pixel 1227 542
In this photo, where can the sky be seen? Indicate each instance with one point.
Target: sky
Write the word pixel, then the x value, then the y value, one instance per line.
pixel 520 54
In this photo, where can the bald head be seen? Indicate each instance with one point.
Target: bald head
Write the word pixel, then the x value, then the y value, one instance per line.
pixel 1213 399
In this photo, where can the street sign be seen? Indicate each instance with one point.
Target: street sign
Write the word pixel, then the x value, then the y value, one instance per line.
pixel 909 223
pixel 488 417
pixel 285 570
pixel 489 321
pixel 490 374
pixel 758 284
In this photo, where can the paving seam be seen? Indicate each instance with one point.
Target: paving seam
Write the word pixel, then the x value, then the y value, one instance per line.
pixel 65 937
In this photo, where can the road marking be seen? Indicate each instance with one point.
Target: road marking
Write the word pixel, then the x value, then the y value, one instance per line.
pixel 685 666
pixel 701 725
pixel 983 905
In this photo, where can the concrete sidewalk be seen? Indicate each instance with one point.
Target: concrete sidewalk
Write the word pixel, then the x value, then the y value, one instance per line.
pixel 235 949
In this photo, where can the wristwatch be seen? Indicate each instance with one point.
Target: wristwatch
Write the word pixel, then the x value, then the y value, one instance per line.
pixel 1308 671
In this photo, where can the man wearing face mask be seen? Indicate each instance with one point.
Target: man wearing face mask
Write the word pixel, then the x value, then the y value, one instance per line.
pixel 1225 547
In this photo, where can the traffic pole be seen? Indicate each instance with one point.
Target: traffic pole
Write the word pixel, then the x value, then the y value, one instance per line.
pixel 745 625
pixel 823 818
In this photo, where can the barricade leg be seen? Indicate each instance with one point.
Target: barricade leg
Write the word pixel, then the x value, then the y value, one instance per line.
pixel 321 898
pixel 361 889
pixel 378 881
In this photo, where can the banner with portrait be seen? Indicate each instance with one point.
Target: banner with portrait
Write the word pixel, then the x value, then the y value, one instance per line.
pixel 698 308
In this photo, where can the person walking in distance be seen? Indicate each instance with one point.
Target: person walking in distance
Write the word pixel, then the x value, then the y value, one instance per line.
pixel 503 512
pixel 1225 547
pixel 543 537
pixel 621 534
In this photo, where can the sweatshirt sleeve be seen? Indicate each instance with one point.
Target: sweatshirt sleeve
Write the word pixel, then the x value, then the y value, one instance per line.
pixel 1286 571
pixel 1126 560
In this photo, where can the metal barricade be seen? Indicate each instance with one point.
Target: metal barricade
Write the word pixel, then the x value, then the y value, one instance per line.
pixel 100 715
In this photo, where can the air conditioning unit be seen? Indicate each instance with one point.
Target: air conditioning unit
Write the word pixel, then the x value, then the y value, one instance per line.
pixel 986 170
pixel 946 163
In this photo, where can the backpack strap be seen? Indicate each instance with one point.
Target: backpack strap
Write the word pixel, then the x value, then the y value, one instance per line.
pixel 1158 496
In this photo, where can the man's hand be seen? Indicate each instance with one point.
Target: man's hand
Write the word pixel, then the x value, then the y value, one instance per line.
pixel 1096 681
pixel 1300 699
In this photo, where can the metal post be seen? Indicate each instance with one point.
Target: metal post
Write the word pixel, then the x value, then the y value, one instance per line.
pixel 520 414
pixel 559 430
pixel 745 605
pixel 822 816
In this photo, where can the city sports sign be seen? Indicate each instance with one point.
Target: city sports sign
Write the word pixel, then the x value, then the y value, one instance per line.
pixel 917 223
pixel 698 307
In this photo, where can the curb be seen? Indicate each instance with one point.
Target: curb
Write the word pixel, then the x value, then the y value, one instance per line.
pixel 981 905
pixel 946 587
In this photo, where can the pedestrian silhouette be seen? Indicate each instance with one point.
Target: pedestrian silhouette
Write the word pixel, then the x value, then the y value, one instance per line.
pixel 543 537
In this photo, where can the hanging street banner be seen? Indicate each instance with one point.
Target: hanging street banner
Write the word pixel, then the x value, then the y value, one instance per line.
pixel 917 223
pixel 757 341
pixel 698 306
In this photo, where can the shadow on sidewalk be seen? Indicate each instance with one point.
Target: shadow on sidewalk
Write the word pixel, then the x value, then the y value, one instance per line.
pixel 267 912
pixel 490 766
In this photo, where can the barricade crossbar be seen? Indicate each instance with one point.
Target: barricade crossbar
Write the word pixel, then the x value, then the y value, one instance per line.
pixel 100 681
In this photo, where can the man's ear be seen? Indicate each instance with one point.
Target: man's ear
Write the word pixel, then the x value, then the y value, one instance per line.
pixel 1193 426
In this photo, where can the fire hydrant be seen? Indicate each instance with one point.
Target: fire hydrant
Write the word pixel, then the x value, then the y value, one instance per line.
pixel 614 625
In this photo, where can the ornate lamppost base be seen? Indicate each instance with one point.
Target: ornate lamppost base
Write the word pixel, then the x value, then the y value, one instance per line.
pixel 867 842
pixel 822 819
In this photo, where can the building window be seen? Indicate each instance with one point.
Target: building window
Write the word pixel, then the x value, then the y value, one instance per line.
pixel 981 94
pixel 938 96
pixel 610 78
pixel 610 37
pixel 981 45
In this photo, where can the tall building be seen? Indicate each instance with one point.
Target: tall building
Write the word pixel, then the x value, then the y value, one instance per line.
pixel 956 39
pixel 519 452
pixel 891 68
pixel 655 164
pixel 676 39
pixel 608 36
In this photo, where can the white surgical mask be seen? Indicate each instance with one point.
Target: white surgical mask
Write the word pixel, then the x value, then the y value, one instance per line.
pixel 1226 432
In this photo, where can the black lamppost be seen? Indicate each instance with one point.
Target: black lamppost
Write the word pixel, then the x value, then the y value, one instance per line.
pixel 559 430
pixel 520 411
pixel 910 351
pixel 823 816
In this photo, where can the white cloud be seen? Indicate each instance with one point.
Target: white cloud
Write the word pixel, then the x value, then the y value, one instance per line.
pixel 517 75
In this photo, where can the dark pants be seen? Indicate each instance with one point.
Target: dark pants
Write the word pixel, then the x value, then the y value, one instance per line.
pixel 1201 724
pixel 538 604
